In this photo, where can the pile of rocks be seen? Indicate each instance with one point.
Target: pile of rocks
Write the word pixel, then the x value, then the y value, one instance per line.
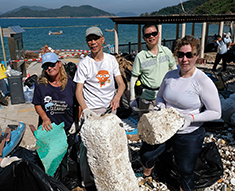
pixel 222 135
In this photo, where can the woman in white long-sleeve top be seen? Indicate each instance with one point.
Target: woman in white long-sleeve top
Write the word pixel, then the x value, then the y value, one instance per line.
pixel 187 89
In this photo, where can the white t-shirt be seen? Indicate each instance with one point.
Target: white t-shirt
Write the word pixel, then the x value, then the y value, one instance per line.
pixel 188 95
pixel 98 79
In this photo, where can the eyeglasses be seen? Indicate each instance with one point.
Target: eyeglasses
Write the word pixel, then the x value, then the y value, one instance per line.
pixel 46 65
pixel 89 39
pixel 148 35
pixel 187 54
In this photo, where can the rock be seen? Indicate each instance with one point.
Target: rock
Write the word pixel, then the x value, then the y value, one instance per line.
pixel 232 181
pixel 156 127
pixel 107 153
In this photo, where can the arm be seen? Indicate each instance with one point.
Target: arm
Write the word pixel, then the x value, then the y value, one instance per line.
pixel 135 73
pixel 121 87
pixel 210 98
pixel 229 44
pixel 172 64
pixel 86 112
pixel 132 87
pixel 46 122
pixel 159 99
pixel 79 96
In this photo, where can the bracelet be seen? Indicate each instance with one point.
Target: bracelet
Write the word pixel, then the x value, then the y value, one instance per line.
pixel 192 116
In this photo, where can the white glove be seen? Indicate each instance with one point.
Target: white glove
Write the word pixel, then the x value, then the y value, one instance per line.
pixel 87 113
pixel 72 129
pixel 133 103
pixel 8 160
pixel 161 105
pixel 188 119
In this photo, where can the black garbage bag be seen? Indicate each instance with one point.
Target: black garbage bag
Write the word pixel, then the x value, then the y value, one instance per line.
pixel 31 80
pixel 69 170
pixel 209 167
pixel 27 175
pixel 70 69
pixel 230 55
pixel 208 170
pixel 166 169
pixel 123 112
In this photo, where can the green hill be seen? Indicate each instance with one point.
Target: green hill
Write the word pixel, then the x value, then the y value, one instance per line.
pixel 216 7
pixel 195 7
pixel 65 11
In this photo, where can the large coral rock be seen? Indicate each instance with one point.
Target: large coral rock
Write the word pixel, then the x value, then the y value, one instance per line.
pixel 107 153
pixel 156 127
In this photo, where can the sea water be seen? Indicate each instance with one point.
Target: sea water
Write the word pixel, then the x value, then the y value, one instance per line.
pixel 73 37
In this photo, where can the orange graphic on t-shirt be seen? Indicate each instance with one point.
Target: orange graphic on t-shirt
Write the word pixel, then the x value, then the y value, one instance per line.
pixel 102 76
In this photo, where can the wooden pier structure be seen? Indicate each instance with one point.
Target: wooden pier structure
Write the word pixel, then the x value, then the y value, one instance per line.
pixel 176 19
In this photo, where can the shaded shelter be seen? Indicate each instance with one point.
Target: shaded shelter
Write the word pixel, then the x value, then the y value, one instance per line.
pixel 177 19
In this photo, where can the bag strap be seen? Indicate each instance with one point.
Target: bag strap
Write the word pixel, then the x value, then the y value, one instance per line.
pixel 146 87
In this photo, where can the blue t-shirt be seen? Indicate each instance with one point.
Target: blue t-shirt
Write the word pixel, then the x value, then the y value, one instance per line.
pixel 58 105
pixel 222 46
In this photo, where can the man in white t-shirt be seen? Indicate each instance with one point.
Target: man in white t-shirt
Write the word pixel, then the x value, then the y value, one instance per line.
pixel 95 91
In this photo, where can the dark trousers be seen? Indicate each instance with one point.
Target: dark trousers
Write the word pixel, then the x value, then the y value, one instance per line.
pixel 186 150
pixel 217 60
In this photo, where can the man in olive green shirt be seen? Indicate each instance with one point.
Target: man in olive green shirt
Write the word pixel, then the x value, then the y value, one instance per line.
pixel 151 65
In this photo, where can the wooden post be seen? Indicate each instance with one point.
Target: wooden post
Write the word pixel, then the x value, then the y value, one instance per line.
pixel 231 28
pixel 116 38
pixel 139 37
pixel 221 28
pixel 183 27
pixel 233 33
pixel 207 32
pixel 193 29
pixel 203 39
pixel 160 35
pixel 177 31
pixel 3 47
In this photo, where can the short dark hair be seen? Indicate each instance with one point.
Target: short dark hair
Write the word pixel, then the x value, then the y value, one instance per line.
pixel 218 36
pixel 147 25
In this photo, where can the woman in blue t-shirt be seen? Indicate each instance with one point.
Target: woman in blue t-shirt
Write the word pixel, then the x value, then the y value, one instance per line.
pixel 54 94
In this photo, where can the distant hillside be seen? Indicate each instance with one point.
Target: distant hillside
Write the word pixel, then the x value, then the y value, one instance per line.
pixel 126 14
pixel 188 6
pixel 34 8
pixel 216 7
pixel 65 11
pixel 198 7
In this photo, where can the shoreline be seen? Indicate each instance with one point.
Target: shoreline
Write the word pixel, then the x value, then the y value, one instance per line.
pixel 56 17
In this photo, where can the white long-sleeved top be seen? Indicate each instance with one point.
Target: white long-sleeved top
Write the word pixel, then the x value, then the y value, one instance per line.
pixel 188 95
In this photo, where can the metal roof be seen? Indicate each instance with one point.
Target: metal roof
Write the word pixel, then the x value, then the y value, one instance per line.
pixel 173 19
pixel 16 30
pixel 12 30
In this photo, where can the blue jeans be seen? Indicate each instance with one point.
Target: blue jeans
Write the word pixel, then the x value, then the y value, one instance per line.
pixel 186 150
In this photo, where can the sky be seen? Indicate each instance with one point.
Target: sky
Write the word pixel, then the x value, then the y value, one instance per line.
pixel 111 6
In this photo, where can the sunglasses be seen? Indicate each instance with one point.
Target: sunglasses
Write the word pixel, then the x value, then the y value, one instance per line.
pixel 148 35
pixel 45 66
pixel 95 38
pixel 187 54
